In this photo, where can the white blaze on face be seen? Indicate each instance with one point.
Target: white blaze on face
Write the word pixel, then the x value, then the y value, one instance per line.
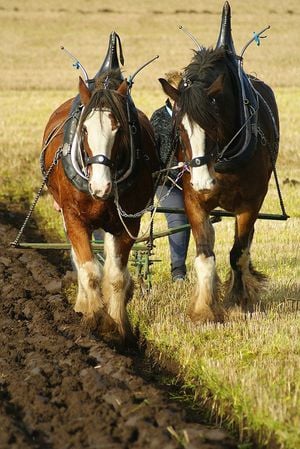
pixel 101 139
pixel 200 177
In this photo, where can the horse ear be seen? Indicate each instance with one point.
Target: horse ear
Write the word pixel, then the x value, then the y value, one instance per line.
pixel 123 88
pixel 216 87
pixel 169 90
pixel 85 94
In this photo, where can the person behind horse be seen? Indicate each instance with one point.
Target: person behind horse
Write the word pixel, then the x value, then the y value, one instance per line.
pixel 170 192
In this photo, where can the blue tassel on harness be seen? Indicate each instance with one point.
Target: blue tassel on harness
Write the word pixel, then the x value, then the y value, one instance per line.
pixel 76 65
pixel 256 38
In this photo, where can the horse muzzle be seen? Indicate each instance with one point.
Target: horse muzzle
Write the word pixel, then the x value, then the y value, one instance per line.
pixel 101 193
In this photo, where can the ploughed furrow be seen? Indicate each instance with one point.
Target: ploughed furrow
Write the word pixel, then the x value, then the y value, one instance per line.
pixel 60 387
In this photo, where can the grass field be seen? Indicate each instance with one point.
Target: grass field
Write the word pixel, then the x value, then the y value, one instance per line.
pixel 246 371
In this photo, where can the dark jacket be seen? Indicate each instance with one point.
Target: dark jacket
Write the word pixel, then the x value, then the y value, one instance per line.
pixel 162 124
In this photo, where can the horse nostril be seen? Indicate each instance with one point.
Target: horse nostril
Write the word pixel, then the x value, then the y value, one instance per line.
pixel 107 188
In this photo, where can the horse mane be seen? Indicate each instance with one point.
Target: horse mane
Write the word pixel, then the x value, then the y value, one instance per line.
pixel 204 68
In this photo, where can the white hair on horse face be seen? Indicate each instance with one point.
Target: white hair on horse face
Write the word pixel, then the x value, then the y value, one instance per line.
pixel 200 176
pixel 101 136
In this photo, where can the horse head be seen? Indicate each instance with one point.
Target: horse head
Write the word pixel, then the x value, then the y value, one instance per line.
pixel 204 113
pixel 103 130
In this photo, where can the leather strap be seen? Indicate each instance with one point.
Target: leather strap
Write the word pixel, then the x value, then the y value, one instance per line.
pixel 99 159
pixel 199 161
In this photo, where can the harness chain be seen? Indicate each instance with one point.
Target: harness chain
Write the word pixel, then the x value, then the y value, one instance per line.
pixel 150 208
pixel 53 164
pixel 46 175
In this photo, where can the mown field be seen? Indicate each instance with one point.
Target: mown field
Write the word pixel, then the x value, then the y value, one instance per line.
pixel 246 372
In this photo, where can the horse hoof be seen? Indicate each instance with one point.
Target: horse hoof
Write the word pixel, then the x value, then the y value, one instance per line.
pixel 207 315
pixel 236 305
pixel 119 335
pixel 93 321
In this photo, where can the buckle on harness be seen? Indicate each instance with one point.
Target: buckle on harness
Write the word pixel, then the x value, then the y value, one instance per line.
pixel 199 161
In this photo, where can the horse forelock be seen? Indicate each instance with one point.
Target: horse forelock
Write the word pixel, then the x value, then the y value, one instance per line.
pixel 198 76
pixel 107 99
pixel 203 64
pixel 105 96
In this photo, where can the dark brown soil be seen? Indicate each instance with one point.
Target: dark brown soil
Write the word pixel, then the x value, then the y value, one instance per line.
pixel 62 388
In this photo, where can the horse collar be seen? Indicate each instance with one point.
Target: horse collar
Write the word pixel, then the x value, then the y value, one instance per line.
pixel 75 160
pixel 241 147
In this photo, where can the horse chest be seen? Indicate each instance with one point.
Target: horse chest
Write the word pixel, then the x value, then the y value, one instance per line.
pixel 230 198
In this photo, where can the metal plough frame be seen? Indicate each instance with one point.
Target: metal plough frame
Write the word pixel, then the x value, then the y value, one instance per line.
pixel 142 251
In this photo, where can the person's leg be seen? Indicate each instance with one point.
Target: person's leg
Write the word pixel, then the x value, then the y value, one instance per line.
pixel 178 242
pixel 99 234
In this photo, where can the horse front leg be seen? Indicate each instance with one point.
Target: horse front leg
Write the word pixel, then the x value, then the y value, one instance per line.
pixel 117 283
pixel 244 283
pixel 89 300
pixel 205 304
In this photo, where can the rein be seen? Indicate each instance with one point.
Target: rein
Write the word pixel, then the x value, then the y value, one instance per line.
pixel 225 148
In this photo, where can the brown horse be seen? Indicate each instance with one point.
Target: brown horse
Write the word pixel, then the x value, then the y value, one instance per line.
pixel 118 155
pixel 227 127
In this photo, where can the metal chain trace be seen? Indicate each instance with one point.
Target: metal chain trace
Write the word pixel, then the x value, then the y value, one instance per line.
pixel 45 179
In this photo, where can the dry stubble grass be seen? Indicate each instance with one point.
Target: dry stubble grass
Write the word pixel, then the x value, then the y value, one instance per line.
pixel 249 369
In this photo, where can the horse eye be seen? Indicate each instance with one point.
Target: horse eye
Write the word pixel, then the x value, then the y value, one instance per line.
pixel 213 100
